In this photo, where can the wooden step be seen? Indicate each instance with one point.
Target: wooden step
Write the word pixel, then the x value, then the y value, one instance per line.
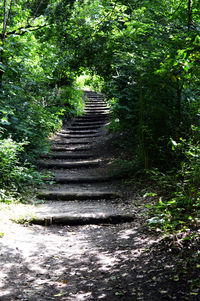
pixel 92 106
pixel 96 108
pixel 79 179
pixel 95 111
pixel 95 103
pixel 101 98
pixel 69 165
pixel 67 156
pixel 85 123
pixel 70 149
pixel 66 143
pixel 75 132
pixel 92 119
pixel 70 196
pixel 80 128
pixel 95 115
pixel 78 136
pixel 68 220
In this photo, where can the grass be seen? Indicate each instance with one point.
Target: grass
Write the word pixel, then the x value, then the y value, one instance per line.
pixel 14 212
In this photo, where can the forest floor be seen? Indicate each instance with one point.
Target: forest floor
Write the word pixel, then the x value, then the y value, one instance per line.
pixel 124 261
pixel 93 262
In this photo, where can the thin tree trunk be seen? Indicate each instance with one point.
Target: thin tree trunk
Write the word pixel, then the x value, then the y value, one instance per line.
pixel 189 14
pixel 6 14
pixel 179 91
pixel 141 124
pixel 1 70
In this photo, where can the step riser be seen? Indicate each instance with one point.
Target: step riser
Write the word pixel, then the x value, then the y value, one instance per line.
pixel 96 107
pixel 80 181
pixel 74 132
pixel 101 98
pixel 95 99
pixel 66 156
pixel 77 196
pixel 91 119
pixel 63 149
pixel 98 118
pixel 98 110
pixel 95 103
pixel 75 221
pixel 94 95
pixel 87 127
pixel 96 114
pixel 94 117
pixel 100 105
pixel 79 136
pixel 73 142
pixel 92 99
pixel 77 124
pixel 69 166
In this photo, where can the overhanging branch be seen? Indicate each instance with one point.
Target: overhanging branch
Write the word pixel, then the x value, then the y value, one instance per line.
pixel 23 30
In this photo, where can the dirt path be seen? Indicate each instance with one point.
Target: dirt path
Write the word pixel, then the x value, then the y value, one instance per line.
pixel 91 262
pixel 96 246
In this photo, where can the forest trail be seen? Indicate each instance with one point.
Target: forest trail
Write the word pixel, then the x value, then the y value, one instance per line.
pixel 83 192
pixel 95 246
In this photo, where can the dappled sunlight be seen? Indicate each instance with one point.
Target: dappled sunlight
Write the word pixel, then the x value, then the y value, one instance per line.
pixel 81 296
pixel 84 209
pixel 107 261
pixel 125 234
pixel 74 263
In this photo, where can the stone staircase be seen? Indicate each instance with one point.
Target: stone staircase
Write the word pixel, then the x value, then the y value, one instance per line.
pixel 82 191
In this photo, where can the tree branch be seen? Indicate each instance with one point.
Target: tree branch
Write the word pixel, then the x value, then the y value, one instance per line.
pixel 35 13
pixel 4 19
pixel 22 30
pixel 190 22
pixel 179 5
pixel 9 11
pixel 34 29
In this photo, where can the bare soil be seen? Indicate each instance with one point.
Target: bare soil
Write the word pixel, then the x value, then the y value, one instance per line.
pixel 94 262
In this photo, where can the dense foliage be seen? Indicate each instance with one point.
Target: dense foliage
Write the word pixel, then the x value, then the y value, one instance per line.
pixel 34 99
pixel 144 55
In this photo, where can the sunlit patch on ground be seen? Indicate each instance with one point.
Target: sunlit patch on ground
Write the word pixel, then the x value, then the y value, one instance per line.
pixel 117 262
pixel 14 212
pixel 35 258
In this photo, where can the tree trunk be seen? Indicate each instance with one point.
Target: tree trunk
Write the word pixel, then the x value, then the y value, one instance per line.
pixel 3 35
pixel 1 70
pixel 179 91
pixel 142 129
pixel 189 14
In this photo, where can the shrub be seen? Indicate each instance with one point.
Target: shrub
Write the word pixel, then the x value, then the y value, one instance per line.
pixel 181 205
pixel 13 175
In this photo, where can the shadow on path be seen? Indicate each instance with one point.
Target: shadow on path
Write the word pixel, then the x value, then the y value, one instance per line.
pixel 119 262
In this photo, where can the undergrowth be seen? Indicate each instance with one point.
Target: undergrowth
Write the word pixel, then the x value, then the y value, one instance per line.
pixel 26 122
pixel 174 193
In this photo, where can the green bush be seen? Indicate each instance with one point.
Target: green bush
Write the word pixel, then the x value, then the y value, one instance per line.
pixel 13 175
pixel 181 186
pixel 89 81
pixel 70 101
